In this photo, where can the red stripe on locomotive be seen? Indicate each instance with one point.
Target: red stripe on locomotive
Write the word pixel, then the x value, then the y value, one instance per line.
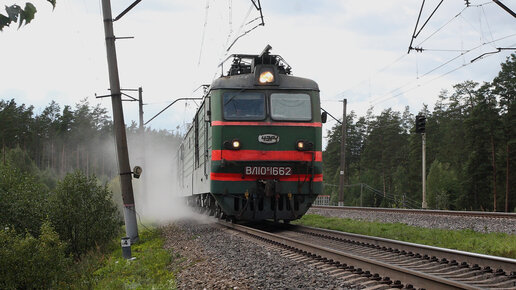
pixel 242 177
pixel 222 123
pixel 261 155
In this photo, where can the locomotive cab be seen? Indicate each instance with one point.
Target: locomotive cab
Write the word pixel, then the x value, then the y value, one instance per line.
pixel 265 141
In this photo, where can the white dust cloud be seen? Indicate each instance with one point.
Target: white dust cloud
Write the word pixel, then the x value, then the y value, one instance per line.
pixel 158 197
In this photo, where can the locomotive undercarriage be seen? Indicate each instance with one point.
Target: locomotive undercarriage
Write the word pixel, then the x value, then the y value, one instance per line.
pixel 263 201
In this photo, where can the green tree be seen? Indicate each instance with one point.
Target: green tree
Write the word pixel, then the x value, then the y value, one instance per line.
pixel 386 148
pixel 83 213
pixel 27 262
pixel 442 186
pixel 16 124
pixel 331 156
pixel 22 200
pixel 17 14
pixel 482 134
pixel 504 87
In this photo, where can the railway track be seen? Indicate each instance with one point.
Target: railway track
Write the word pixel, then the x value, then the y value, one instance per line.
pixel 481 214
pixel 378 263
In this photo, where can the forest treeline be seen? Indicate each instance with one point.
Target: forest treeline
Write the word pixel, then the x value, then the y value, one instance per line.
pixel 62 140
pixel 470 151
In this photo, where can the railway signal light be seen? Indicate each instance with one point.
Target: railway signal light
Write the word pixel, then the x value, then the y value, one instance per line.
pixel 420 124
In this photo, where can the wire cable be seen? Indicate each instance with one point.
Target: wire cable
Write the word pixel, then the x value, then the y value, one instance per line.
pixel 427 82
pixel 381 99
pixel 225 50
pixel 440 28
pixel 374 74
pixel 204 30
pixel 488 26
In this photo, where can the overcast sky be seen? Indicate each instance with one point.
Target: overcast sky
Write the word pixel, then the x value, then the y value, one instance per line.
pixel 353 49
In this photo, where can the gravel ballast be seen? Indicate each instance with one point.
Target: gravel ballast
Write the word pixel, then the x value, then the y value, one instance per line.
pixel 478 224
pixel 215 258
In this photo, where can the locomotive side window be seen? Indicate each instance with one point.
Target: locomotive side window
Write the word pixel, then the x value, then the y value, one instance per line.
pixel 244 106
pixel 292 107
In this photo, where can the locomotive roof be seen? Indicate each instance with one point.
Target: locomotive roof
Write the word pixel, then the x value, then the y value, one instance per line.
pixel 243 74
pixel 247 81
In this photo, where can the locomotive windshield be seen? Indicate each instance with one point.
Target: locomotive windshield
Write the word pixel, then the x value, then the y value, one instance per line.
pixel 244 106
pixel 292 107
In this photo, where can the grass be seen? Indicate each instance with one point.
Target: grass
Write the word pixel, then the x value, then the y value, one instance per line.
pixel 148 271
pixel 496 244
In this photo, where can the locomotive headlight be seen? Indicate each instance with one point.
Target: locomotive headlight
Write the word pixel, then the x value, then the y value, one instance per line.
pixel 266 77
pixel 236 144
pixel 233 145
pixel 304 145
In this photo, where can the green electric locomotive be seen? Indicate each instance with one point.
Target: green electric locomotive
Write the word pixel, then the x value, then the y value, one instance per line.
pixel 254 150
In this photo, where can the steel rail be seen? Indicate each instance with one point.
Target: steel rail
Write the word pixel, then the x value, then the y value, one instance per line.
pixel 481 214
pixel 494 262
pixel 407 276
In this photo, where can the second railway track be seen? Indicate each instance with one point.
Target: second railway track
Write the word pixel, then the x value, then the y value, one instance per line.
pixel 481 214
pixel 387 263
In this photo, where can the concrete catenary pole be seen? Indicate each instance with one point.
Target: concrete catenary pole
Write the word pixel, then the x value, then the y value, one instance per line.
pixel 140 107
pixel 131 227
pixel 423 136
pixel 342 154
pixel 143 188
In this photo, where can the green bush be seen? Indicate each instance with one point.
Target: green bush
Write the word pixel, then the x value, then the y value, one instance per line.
pixel 22 201
pixel 29 263
pixel 83 213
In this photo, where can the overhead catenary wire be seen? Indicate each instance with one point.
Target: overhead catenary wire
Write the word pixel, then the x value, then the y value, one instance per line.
pixel 418 45
pixel 381 99
pixel 229 40
pixel 487 23
pixel 440 28
pixel 225 51
pixel 374 74
pixel 433 79
pixel 207 8
pixel 230 22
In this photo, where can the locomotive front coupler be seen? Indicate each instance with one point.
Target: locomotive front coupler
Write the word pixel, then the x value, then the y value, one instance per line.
pixel 266 187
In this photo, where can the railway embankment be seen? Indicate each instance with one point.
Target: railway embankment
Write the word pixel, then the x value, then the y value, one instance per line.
pixel 464 239
pixel 434 221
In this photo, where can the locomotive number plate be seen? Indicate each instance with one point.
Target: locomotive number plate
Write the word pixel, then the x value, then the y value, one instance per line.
pixel 268 170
